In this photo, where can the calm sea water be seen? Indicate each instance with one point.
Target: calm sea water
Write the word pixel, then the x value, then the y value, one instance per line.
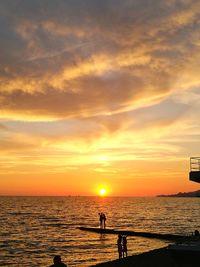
pixel 34 229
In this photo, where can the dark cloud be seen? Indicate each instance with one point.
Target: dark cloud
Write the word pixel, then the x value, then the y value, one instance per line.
pixel 84 97
pixel 81 58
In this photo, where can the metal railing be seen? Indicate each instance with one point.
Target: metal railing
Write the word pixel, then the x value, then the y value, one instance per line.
pixel 195 164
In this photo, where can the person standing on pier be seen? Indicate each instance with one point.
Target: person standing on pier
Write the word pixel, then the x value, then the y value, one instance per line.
pixel 119 245
pixel 124 246
pixel 100 219
pixel 104 220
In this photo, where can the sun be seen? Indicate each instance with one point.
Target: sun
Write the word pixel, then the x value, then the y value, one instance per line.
pixel 102 191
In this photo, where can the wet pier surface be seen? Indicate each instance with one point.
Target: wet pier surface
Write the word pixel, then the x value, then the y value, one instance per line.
pixel 171 237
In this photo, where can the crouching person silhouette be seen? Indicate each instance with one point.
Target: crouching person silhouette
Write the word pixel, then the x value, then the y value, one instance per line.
pixel 57 262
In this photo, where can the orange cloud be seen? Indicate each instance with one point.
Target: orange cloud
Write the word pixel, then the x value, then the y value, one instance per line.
pixel 98 89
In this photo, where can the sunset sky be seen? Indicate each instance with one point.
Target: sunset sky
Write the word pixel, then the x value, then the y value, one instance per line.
pixel 99 94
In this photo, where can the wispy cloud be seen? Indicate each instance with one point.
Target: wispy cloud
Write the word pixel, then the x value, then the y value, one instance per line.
pixel 78 78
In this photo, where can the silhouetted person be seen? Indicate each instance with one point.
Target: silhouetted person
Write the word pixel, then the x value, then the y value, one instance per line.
pixel 100 219
pixel 104 220
pixel 124 246
pixel 57 262
pixel 119 245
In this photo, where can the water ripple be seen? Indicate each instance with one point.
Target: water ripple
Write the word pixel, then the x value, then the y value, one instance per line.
pixel 34 229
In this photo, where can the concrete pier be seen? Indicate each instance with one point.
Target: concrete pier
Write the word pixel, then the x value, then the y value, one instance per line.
pixel 171 237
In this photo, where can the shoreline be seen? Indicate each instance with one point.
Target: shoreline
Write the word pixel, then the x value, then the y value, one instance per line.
pixel 154 258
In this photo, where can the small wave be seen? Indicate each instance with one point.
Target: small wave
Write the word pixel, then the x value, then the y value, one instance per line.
pixel 20 213
pixel 62 225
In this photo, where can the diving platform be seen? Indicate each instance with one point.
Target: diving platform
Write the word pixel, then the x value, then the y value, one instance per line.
pixel 170 237
pixel 194 174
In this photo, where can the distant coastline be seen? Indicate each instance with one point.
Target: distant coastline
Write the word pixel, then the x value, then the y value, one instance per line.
pixel 183 194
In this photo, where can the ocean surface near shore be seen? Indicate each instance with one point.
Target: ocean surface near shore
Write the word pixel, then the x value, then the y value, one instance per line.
pixel 34 229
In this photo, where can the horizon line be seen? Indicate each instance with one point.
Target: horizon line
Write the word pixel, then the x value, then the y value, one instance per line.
pixel 5 195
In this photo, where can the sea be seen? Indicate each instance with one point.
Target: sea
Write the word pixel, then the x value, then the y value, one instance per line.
pixel 35 229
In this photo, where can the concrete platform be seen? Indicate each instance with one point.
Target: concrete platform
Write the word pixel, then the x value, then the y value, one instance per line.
pixel 170 237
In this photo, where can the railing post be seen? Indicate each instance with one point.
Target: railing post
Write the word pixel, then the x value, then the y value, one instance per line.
pixel 199 163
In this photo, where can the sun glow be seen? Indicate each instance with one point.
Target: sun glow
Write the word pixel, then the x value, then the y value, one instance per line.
pixel 102 192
